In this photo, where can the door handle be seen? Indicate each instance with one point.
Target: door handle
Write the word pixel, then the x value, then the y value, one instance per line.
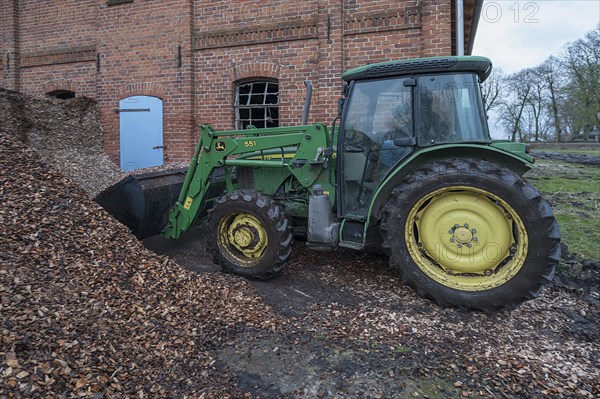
pixel 405 142
pixel 118 110
pixel 353 148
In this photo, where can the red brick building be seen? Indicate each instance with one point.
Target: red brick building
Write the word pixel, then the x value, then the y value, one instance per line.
pixel 209 61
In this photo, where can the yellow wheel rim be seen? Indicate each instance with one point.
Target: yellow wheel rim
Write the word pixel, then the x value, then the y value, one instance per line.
pixel 466 238
pixel 242 238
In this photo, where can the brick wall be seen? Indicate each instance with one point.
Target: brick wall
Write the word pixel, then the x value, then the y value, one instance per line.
pixel 382 30
pixel 139 56
pixel 192 53
pixel 9 50
pixel 58 46
pixel 436 30
pixel 57 24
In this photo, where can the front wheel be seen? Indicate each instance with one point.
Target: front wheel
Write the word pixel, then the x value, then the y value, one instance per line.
pixel 249 234
pixel 471 234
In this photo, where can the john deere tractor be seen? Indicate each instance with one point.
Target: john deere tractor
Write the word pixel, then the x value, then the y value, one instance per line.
pixel 408 165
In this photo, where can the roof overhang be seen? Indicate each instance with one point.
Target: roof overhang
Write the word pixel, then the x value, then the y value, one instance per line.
pixel 472 12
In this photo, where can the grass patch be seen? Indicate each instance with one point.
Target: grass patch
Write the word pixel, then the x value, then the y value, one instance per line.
pixel 578 215
pixel 581 235
pixel 573 190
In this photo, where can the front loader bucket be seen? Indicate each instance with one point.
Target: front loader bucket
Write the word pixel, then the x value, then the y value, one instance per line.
pixel 141 201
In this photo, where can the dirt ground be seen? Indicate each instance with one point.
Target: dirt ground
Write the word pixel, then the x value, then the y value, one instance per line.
pixel 349 328
pixel 585 159
pixel 353 330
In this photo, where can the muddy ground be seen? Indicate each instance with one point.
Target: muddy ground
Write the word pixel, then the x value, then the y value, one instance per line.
pixel 585 159
pixel 353 330
pixel 349 328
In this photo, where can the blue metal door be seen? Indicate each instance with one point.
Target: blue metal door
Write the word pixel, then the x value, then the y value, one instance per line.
pixel 141 124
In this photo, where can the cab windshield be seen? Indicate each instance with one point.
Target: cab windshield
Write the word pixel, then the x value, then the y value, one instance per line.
pixel 450 110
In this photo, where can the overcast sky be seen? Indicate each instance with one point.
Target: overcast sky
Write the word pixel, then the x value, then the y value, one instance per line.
pixel 521 34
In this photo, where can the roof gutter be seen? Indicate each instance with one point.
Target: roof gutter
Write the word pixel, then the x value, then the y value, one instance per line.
pixel 474 24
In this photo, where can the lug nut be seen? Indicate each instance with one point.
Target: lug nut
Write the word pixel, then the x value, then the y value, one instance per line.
pixel 459 245
pixel 450 231
pixel 451 239
pixel 468 245
pixel 473 231
pixel 466 225
pixel 456 226
pixel 475 239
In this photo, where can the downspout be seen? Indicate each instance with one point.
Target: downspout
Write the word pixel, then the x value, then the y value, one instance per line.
pixel 460 27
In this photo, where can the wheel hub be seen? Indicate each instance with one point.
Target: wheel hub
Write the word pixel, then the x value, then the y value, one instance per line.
pixel 464 237
pixel 244 237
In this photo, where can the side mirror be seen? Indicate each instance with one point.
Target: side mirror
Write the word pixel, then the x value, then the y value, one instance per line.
pixel 341 101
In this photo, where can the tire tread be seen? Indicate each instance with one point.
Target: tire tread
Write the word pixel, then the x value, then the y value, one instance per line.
pixel 275 217
pixel 393 210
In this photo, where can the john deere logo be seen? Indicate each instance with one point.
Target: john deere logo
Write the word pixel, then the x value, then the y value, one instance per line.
pixel 220 146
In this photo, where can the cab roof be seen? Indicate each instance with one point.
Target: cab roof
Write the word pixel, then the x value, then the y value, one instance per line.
pixel 482 66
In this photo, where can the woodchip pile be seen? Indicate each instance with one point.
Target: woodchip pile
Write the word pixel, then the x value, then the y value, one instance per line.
pixel 87 311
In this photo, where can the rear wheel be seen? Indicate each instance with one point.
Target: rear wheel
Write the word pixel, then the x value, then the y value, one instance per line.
pixel 471 234
pixel 249 234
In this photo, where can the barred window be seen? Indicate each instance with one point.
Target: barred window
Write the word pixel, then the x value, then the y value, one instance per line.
pixel 257 104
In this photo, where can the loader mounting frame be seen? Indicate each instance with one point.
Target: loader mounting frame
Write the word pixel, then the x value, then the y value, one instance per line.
pixel 247 148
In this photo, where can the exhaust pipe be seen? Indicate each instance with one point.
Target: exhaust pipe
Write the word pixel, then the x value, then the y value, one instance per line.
pixel 307 101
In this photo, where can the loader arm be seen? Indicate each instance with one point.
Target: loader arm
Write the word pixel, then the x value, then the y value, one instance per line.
pixel 226 149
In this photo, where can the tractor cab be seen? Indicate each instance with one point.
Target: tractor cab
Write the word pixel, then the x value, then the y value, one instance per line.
pixel 391 111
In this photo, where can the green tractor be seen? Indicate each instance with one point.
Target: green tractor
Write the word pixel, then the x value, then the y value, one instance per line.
pixel 408 165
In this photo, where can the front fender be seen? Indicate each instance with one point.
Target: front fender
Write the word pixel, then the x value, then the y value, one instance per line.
pixel 425 156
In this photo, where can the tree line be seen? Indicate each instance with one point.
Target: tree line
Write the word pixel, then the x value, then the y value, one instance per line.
pixel 558 100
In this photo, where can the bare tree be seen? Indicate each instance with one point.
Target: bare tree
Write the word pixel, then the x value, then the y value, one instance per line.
pixel 519 89
pixel 561 95
pixel 581 61
pixel 553 75
pixel 493 88
pixel 537 100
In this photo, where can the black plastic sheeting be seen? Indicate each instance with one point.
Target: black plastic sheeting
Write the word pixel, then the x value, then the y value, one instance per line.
pixel 141 202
